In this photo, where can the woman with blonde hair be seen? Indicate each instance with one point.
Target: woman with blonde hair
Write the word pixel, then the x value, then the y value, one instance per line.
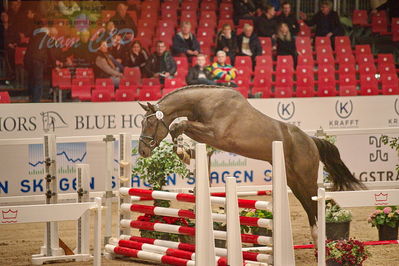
pixel 285 42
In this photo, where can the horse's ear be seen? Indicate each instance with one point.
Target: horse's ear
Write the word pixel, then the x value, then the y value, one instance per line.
pixel 145 107
pixel 151 107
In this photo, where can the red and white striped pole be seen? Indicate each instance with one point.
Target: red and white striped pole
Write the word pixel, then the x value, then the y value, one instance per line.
pixel 217 217
pixel 188 255
pixel 221 252
pixel 164 195
pixel 245 193
pixel 185 230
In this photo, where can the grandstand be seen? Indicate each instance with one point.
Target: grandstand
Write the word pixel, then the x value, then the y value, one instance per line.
pixel 353 65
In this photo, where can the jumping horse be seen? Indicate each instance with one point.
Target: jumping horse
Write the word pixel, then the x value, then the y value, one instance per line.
pixel 223 118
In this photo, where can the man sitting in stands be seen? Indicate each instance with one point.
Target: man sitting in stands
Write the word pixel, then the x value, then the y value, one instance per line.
pixel 199 74
pixel 122 19
pixel 326 20
pixel 248 43
pixel 223 73
pixel 266 24
pixel 185 43
pixel 160 64
pixel 288 18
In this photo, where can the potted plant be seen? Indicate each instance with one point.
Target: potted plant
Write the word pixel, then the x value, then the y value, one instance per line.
pixel 345 252
pixel 255 230
pixel 386 219
pixel 154 170
pixel 337 221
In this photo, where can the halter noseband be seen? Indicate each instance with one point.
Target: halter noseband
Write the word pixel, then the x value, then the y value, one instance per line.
pixel 152 142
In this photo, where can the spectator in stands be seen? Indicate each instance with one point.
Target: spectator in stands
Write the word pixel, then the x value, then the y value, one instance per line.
pixel 68 8
pixel 248 43
pixel 106 35
pixel 200 74
pixel 285 42
pixel 118 50
pixel 392 6
pixel 136 56
pixel 39 56
pixel 8 43
pixel 288 18
pixel 185 43
pixel 81 54
pixel 161 64
pixel 275 4
pixel 243 9
pixel 122 20
pixel 326 20
pixel 227 41
pixel 107 66
pixel 15 13
pixel 266 24
pixel 223 73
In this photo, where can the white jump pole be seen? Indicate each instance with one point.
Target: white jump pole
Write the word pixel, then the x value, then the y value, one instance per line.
pixel 283 252
pixel 125 173
pixel 109 153
pixel 51 239
pixel 204 240
pixel 83 223
pixel 234 245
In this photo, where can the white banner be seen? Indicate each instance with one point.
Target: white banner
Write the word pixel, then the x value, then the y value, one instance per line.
pixel 22 169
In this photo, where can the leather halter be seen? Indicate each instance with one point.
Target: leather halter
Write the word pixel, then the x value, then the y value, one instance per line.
pixel 152 141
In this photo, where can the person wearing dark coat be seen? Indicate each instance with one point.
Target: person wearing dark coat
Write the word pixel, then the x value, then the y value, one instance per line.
pixel 285 42
pixel 248 43
pixel 288 18
pixel 136 56
pixel 38 57
pixel 392 6
pixel 160 64
pixel 123 20
pixel 81 54
pixel 199 74
pixel 243 9
pixel 266 24
pixel 326 21
pixel 185 43
pixel 227 42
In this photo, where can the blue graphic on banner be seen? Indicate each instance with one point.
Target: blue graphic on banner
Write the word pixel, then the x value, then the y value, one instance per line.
pixel 67 155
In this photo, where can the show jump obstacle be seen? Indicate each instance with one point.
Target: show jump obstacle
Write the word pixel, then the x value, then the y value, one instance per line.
pixel 52 212
pixel 204 251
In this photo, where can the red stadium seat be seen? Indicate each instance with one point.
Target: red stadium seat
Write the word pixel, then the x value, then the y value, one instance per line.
pixel 207 23
pixel 225 15
pixel 128 84
pixel 242 81
pixel 389 84
pixel 362 50
pixel 368 85
pixel 342 41
pixel 208 6
pixel 367 59
pixel 264 61
pixel 379 24
pixel 81 89
pixel 205 33
pixel 125 95
pixel 84 73
pixel 166 24
pixel 305 60
pixel 365 69
pixel 174 83
pixel 100 96
pixel 326 86
pixel 360 17
pixel 347 69
pixel 325 59
pixel 305 83
pixel 149 93
pixel 285 64
pixel 4 97
pixel 105 85
pixel 208 14
pixel 243 61
pixel 133 73
pixel 387 69
pixel 283 92
pixel 61 79
pixel 150 81
pixel 189 6
pixel 347 85
pixel 322 42
pixel 385 59
pixel 244 72
pixel 304 71
pixel 303 45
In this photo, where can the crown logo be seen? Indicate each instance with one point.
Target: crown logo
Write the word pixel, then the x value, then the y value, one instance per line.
pixel 10 214
pixel 381 197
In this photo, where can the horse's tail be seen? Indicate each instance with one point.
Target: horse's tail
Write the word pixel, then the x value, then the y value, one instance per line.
pixel 339 173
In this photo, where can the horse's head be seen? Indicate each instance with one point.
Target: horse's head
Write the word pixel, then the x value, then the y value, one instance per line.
pixel 154 129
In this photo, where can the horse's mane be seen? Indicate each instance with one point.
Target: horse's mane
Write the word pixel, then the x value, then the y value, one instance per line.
pixel 193 87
